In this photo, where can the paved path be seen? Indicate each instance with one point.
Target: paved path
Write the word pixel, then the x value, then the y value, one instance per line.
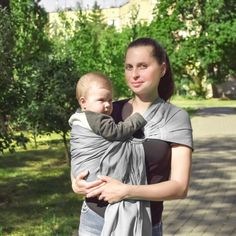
pixel 210 208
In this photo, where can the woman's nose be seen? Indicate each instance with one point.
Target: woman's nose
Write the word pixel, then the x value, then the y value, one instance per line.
pixel 135 73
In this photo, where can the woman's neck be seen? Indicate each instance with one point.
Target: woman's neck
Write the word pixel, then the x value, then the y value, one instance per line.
pixel 137 104
pixel 140 105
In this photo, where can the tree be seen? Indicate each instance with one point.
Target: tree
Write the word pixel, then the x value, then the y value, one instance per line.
pixel 166 28
pixel 9 87
pixel 85 43
pixel 30 55
pixel 112 50
pixel 54 100
pixel 217 39
pixel 95 46
pixel 199 37
pixel 23 44
pixel 4 3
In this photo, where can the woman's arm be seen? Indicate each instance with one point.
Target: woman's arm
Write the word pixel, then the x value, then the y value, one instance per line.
pixel 81 186
pixel 176 187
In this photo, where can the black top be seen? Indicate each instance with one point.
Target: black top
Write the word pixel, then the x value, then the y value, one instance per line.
pixel 158 162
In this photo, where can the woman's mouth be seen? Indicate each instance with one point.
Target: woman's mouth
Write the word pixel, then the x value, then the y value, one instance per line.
pixel 136 84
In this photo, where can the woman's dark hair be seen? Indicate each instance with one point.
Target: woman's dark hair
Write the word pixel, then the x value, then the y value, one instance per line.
pixel 166 85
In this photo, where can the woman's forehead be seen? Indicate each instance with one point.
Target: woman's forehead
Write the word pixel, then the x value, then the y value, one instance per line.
pixel 139 55
pixel 140 51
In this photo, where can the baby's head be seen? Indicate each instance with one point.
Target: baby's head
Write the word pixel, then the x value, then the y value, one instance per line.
pixel 94 93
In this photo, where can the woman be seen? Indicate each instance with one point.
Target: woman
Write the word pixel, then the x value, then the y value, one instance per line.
pixel 167 137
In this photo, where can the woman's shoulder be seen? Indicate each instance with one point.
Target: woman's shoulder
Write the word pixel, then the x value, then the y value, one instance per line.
pixel 172 110
pixel 168 114
pixel 176 116
pixel 177 125
pixel 177 108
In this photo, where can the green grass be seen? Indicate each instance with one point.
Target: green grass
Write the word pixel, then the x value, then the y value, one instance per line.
pixel 46 141
pixel 35 194
pixel 35 189
pixel 191 106
pixel 202 103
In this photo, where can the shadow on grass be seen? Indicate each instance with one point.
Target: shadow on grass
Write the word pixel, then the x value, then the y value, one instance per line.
pixel 52 142
pixel 209 111
pixel 36 196
pixel 216 111
pixel 24 158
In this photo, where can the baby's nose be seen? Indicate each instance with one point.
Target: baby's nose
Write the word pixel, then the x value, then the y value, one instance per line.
pixel 107 105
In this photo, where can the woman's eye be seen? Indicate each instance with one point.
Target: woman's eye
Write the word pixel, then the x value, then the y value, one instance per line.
pixel 143 66
pixel 128 67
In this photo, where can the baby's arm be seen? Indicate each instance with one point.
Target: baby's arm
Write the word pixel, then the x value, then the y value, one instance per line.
pixel 105 126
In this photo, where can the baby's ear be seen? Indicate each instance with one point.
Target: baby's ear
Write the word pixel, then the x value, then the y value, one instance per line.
pixel 82 103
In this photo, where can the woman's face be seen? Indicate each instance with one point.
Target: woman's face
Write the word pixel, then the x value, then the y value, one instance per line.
pixel 143 72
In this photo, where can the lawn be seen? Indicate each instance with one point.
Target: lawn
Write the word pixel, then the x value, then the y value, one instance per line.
pixel 200 103
pixel 35 194
pixel 35 189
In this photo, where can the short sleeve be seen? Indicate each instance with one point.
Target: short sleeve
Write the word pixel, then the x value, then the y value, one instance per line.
pixel 178 129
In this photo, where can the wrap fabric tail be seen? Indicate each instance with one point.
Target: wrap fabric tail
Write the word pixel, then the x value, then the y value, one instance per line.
pixel 125 161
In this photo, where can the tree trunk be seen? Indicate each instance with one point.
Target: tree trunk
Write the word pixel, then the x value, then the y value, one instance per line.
pixel 67 150
pixel 5 3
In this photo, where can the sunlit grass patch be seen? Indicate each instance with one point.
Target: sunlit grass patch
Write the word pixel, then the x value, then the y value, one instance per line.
pixel 35 194
pixel 202 103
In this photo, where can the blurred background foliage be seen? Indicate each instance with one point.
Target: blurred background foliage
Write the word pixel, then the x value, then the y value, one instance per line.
pixel 39 70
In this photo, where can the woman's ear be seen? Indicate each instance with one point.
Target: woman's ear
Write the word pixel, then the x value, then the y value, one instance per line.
pixel 82 102
pixel 163 69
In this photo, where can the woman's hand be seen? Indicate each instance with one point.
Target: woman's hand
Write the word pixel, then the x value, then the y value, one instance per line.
pixel 81 186
pixel 111 191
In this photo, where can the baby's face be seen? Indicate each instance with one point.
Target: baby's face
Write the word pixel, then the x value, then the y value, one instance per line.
pixel 99 99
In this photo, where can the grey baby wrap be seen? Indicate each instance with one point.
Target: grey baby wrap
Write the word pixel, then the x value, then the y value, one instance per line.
pixel 120 160
pixel 125 161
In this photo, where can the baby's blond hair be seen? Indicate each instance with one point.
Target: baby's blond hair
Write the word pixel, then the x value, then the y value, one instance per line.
pixel 86 80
